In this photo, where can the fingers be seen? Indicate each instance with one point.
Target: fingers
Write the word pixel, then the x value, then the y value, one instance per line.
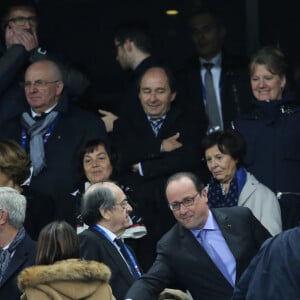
pixel 103 112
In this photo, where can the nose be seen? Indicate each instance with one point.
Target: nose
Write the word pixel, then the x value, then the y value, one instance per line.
pixel 31 88
pixel 261 83
pixel 182 209
pixel 27 24
pixel 129 208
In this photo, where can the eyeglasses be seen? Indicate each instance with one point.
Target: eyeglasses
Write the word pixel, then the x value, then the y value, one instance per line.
pixel 188 201
pixel 124 203
pixel 37 84
pixel 20 21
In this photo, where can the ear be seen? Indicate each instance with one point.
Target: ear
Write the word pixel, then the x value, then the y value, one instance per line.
pixel 283 82
pixel 105 213
pixel 128 45
pixel 59 87
pixel 204 195
pixel 173 96
pixel 3 217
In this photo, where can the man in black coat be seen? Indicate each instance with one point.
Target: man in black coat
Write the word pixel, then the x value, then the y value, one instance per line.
pixel 17 250
pixel 230 73
pixel 154 144
pixel 206 251
pixel 52 130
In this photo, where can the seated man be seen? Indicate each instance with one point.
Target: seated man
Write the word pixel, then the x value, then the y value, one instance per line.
pixel 106 210
pixel 206 251
pixel 17 250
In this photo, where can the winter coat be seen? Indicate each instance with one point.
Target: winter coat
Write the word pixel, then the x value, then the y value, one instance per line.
pixel 65 280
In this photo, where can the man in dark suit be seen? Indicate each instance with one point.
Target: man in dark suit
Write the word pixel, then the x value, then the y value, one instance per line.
pixel 106 210
pixel 206 251
pixel 52 130
pixel 153 144
pixel 17 250
pixel 229 73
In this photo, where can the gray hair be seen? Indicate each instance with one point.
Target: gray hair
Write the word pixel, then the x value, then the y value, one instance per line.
pixel 14 204
pixel 92 201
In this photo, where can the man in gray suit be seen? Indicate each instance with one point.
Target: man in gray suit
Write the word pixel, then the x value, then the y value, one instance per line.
pixel 206 251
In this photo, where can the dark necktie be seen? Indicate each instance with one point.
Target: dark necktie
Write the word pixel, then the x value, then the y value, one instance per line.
pixel 41 117
pixel 210 250
pixel 130 262
pixel 211 99
pixel 156 124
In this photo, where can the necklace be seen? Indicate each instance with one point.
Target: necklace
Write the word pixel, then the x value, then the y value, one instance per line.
pixel 223 189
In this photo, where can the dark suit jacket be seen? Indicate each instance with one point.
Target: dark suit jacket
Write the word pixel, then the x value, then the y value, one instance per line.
pixel 94 246
pixel 61 175
pixel 24 257
pixel 235 88
pixel 181 258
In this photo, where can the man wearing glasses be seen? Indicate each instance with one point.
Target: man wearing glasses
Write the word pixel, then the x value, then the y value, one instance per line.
pixel 106 210
pixel 206 251
pixel 19 48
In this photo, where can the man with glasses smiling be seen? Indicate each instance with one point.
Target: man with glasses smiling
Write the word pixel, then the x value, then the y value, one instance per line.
pixel 106 210
pixel 206 251
pixel 20 47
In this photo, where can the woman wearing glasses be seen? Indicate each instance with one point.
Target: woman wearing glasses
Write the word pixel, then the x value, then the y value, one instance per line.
pixel 232 185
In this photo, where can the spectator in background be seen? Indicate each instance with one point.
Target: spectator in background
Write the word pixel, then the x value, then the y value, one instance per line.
pixel 153 144
pixel 106 210
pixel 52 131
pixel 59 273
pixel 19 48
pixel 232 185
pixel 272 132
pixel 225 93
pixel 17 250
pixel 14 172
pixel 133 43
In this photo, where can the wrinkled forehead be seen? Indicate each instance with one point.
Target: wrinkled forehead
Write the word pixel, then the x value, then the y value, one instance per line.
pixel 20 11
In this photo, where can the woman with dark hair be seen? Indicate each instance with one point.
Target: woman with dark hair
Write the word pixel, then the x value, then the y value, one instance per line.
pixel 272 132
pixel 59 273
pixel 14 172
pixel 232 185
pixel 98 163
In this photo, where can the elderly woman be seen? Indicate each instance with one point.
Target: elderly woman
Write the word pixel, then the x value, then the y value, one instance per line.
pixel 14 171
pixel 272 132
pixel 232 185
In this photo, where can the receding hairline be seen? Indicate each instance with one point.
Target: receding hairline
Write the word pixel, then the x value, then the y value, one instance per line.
pixel 54 68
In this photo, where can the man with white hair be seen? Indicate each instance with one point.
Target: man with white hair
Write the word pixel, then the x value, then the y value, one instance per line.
pixel 17 250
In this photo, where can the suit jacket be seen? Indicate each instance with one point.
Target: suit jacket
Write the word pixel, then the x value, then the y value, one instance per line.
pixel 235 91
pixel 24 257
pixel 94 246
pixel 181 258
pixel 61 174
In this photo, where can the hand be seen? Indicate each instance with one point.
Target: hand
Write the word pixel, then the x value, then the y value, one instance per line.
pixel 135 168
pixel 108 119
pixel 171 143
pixel 20 36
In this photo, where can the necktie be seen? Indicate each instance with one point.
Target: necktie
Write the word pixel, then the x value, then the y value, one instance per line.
pixel 214 255
pixel 211 99
pixel 130 260
pixel 156 124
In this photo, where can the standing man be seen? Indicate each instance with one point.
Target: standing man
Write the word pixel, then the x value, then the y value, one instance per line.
pixel 17 250
pixel 213 83
pixel 133 43
pixel 19 48
pixel 52 130
pixel 206 251
pixel 106 210
pixel 153 144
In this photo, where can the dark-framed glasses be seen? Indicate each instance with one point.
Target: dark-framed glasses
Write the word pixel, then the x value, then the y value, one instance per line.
pixel 188 201
pixel 21 21
pixel 37 84
pixel 124 203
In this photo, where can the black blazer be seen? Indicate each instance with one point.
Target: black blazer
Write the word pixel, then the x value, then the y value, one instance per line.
pixel 94 246
pixel 24 257
pixel 180 258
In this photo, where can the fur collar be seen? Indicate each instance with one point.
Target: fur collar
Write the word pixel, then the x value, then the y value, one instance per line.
pixel 69 269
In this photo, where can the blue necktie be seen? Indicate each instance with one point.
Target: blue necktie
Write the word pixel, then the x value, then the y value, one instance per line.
pixel 129 261
pixel 156 124
pixel 210 250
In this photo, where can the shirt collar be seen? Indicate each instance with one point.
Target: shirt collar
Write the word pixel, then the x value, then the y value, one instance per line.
pixel 210 224
pixel 110 234
pixel 217 60
pixel 34 114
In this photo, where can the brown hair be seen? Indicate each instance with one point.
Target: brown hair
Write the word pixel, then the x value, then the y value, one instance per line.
pixel 14 161
pixel 57 241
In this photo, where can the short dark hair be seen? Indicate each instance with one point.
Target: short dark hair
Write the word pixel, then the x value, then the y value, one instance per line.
pixel 272 57
pixel 57 241
pixel 168 72
pixel 228 142
pixel 136 31
pixel 92 201
pixel 199 185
